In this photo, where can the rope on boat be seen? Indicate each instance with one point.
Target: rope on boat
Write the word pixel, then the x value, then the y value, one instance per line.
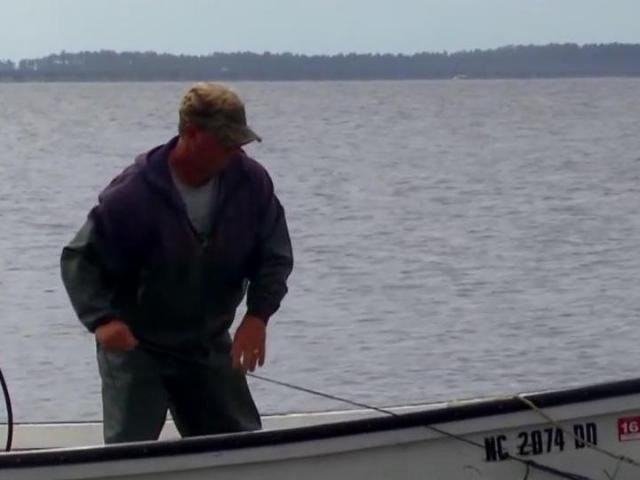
pixel 526 401
pixel 7 400
pixel 528 463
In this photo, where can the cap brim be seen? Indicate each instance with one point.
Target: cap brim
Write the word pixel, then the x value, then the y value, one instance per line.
pixel 246 135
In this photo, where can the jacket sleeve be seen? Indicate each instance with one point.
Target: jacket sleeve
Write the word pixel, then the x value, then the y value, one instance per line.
pixel 95 262
pixel 274 260
pixel 83 275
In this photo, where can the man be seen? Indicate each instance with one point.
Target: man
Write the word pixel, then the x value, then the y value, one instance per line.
pixel 162 263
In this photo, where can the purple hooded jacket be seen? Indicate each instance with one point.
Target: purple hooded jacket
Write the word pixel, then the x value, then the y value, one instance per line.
pixel 139 258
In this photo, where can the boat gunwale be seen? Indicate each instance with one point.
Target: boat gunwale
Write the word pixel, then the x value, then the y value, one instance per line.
pixel 263 438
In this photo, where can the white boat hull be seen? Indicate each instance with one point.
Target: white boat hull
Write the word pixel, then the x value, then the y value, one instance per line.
pixel 581 432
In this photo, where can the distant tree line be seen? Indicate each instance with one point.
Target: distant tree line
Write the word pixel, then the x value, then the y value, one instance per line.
pixel 554 60
pixel 7 66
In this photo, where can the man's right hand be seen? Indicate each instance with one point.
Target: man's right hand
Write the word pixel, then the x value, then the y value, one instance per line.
pixel 116 335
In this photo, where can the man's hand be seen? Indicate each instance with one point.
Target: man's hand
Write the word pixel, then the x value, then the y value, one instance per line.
pixel 115 335
pixel 249 344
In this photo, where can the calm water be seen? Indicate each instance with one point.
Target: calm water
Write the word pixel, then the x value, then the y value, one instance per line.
pixel 452 238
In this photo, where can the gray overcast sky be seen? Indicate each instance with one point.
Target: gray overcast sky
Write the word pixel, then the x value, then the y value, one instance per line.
pixel 30 28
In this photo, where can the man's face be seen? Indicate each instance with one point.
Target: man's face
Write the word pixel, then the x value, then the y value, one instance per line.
pixel 207 154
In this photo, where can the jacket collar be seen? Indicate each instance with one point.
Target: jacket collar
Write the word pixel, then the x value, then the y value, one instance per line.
pixel 155 164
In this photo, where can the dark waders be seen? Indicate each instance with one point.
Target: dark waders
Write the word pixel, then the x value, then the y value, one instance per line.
pixel 139 387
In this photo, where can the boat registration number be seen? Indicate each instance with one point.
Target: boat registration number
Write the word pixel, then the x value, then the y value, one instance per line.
pixel 540 441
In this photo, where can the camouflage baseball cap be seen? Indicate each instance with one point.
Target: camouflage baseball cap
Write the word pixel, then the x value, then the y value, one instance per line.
pixel 214 107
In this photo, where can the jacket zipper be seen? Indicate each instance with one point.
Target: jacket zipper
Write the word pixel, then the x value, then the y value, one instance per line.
pixel 204 241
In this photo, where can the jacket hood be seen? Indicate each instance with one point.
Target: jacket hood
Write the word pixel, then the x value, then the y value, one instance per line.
pixel 152 167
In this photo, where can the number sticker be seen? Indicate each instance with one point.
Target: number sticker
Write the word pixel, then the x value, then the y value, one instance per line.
pixel 628 429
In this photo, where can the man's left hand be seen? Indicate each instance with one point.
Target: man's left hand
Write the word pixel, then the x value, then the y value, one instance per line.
pixel 249 344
